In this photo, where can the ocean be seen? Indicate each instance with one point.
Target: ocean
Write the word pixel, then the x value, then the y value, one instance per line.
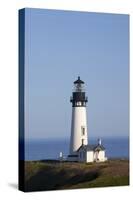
pixel 50 148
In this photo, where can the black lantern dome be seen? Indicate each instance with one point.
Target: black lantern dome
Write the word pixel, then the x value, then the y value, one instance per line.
pixel 78 98
pixel 78 81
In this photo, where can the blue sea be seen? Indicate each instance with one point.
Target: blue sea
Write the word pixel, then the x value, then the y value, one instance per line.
pixel 50 148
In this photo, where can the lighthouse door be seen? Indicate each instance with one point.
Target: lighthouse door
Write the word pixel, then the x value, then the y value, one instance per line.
pixel 96 157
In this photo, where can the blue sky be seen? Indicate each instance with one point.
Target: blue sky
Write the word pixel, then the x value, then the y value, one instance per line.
pixel 61 45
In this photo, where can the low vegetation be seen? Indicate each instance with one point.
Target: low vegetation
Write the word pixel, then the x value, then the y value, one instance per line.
pixel 46 175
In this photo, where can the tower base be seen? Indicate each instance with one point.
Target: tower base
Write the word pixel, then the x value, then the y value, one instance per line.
pixel 72 158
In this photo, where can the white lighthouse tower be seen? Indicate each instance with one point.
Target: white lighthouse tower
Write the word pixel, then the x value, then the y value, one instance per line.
pixel 79 135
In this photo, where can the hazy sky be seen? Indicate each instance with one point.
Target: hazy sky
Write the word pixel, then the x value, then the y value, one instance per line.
pixel 61 45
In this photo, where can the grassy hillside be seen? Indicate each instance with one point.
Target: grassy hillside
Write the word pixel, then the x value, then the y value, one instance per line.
pixel 44 175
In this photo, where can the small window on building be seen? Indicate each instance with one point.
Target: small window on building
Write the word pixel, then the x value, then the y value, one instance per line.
pixel 83 130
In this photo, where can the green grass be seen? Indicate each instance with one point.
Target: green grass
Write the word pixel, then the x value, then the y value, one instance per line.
pixel 104 182
pixel 65 175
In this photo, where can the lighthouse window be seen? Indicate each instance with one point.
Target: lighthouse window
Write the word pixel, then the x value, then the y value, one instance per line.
pixel 78 103
pixel 83 130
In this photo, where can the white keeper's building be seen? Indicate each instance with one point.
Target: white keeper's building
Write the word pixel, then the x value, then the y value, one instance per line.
pixel 80 150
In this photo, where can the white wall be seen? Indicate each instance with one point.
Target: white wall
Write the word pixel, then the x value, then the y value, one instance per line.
pixel 78 120
pixel 89 156
pixel 100 156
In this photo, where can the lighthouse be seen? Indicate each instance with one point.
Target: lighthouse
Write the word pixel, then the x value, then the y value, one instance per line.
pixel 79 134
pixel 80 150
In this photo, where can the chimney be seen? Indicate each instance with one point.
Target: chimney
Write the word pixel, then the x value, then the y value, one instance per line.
pixel 99 141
